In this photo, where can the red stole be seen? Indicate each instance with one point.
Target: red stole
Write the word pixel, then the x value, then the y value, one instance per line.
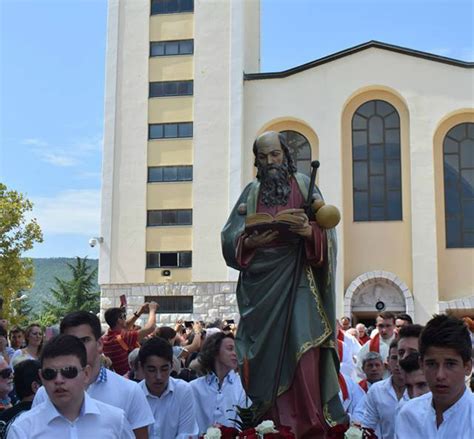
pixel 340 334
pixel 365 385
pixel 343 386
pixel 374 345
pixel 340 349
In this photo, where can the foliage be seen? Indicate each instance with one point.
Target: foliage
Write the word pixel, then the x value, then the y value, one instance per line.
pixel 17 235
pixel 76 294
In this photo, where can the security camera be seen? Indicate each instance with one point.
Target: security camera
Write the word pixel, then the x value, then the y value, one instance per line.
pixel 92 242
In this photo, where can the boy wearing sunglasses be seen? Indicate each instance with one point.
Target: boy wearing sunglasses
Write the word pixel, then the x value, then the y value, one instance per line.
pixel 6 384
pixel 69 411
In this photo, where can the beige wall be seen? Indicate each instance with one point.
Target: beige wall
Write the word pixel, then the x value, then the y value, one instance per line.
pixel 169 27
pixel 153 275
pixel 456 273
pixel 170 109
pixel 365 237
pixel 171 68
pixel 169 238
pixel 168 152
pixel 169 195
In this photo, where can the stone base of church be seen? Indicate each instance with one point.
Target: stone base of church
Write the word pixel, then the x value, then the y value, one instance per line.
pixel 211 300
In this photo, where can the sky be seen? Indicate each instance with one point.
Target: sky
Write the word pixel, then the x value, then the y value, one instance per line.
pixel 52 54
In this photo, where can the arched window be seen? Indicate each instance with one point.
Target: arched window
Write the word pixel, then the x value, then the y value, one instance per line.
pixel 300 150
pixel 458 159
pixel 376 168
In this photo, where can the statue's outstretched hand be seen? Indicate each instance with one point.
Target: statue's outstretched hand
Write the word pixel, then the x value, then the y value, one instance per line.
pixel 256 239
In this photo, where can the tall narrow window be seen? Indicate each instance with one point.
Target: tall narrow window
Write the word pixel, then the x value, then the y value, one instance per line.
pixel 376 163
pixel 300 150
pixel 458 159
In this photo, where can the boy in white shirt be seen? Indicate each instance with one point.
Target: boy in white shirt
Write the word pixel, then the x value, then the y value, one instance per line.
pixel 448 411
pixel 69 412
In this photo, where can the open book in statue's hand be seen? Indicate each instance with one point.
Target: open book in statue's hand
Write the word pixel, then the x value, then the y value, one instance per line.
pixel 281 223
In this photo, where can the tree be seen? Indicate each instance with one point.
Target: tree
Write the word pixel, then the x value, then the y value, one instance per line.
pixel 17 235
pixel 76 294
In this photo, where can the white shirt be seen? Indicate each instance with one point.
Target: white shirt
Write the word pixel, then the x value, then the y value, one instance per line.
pixel 380 407
pixel 384 348
pixel 96 420
pixel 117 391
pixel 417 419
pixel 217 404
pixel 354 404
pixel 174 412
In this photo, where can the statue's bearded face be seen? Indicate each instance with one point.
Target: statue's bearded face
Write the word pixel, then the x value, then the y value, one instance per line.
pixel 273 174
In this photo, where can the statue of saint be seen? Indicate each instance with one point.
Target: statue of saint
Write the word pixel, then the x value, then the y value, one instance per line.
pixel 307 393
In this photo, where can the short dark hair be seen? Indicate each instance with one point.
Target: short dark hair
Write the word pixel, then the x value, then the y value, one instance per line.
pixel 410 363
pixel 26 373
pixel 3 332
pixel 393 344
pixel 17 329
pixel 405 317
pixel 387 315
pixel 445 331
pixel 210 350
pixel 166 332
pixel 156 346
pixel 410 331
pixel 62 345
pixel 78 318
pixel 112 315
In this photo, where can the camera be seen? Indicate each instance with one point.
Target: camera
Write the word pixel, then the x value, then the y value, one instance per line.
pixel 92 242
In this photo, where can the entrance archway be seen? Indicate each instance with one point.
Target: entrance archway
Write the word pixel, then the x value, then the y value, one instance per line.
pixel 377 291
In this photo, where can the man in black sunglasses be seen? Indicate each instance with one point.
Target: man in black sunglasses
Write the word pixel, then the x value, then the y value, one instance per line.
pixel 69 411
pixel 105 385
pixel 6 384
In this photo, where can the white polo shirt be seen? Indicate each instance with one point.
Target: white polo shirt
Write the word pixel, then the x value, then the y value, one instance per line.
pixel 380 408
pixel 96 420
pixel 174 412
pixel 384 348
pixel 216 404
pixel 417 419
pixel 117 391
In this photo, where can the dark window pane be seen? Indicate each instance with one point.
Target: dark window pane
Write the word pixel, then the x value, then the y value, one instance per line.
pixel 452 203
pixel 360 176
pixel 392 121
pixel 304 166
pixel 470 130
pixel 155 174
pixel 185 217
pixel 156 89
pixel 359 152
pixel 453 233
pixel 168 259
pixel 394 205
pixel 185 88
pixel 154 218
pixel 172 48
pixel 170 88
pixel 451 166
pixel 186 5
pixel 383 108
pixel 392 136
pixel 155 131
pixel 171 130
pixel 468 239
pixel 467 153
pixel 185 173
pixel 377 195
pixel 152 260
pixel 361 206
pixel 170 173
pixel 450 146
pixel 375 129
pixel 459 132
pixel 376 159
pixel 467 183
pixel 157 49
pixel 171 6
pixel 170 217
pixel 367 109
pixel 468 214
pixel 186 129
pixel 393 174
pixel 392 150
pixel 359 145
pixel 186 47
pixel 377 213
pixel 359 122
pixel 185 259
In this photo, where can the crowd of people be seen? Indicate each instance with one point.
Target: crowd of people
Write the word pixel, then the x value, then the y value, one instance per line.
pixel 397 379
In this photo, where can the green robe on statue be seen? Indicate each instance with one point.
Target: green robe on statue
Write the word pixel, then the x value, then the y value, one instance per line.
pixel 263 294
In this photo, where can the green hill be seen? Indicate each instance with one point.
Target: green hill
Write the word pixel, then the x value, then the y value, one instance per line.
pixel 46 269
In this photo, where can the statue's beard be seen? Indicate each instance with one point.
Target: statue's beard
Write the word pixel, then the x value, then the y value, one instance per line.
pixel 274 185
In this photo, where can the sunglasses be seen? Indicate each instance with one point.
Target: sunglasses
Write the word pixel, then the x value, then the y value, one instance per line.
pixel 69 372
pixel 6 373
